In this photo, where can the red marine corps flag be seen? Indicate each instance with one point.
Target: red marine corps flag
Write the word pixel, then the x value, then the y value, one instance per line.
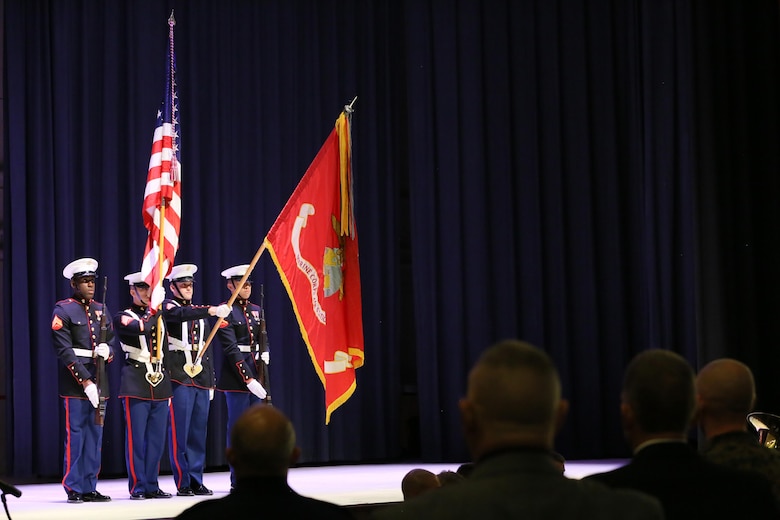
pixel 162 197
pixel 314 245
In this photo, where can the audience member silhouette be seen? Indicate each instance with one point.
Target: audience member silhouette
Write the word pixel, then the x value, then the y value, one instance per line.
pixel 448 477
pixel 657 407
pixel 726 394
pixel 510 415
pixel 559 461
pixel 418 481
pixel 262 448
pixel 465 469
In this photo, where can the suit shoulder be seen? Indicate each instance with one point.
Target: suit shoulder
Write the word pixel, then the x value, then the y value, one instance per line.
pixel 607 477
pixel 325 510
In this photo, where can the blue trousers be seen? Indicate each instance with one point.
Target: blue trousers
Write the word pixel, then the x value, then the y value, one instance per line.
pixel 187 434
pixel 237 403
pixel 83 446
pixel 146 423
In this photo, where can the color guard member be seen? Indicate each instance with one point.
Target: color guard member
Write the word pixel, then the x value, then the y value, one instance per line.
pixel 188 329
pixel 240 335
pixel 75 327
pixel 145 390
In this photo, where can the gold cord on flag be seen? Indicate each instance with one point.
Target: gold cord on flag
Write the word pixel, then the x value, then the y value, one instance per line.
pixel 345 173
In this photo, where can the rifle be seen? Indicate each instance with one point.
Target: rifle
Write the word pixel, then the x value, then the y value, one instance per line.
pixel 262 368
pixel 100 377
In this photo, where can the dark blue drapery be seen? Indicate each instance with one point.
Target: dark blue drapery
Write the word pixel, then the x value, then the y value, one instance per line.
pixel 596 177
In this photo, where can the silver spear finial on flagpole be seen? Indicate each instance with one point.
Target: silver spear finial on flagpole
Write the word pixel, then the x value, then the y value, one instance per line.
pixel 348 108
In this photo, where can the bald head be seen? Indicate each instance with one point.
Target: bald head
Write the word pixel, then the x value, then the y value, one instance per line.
pixel 726 386
pixel 658 386
pixel 513 398
pixel 262 442
pixel 418 481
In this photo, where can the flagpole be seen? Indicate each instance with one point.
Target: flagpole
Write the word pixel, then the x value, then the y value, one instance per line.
pixel 161 236
pixel 233 297
pixel 160 260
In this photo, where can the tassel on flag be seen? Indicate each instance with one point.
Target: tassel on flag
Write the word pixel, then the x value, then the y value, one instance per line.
pixel 314 245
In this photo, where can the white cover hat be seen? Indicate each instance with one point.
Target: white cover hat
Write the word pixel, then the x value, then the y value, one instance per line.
pixel 136 279
pixel 80 267
pixel 236 272
pixel 182 272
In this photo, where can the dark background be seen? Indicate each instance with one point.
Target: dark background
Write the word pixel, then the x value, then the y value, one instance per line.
pixel 597 177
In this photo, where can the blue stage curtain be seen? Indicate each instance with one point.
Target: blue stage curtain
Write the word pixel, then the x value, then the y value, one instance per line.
pixel 537 169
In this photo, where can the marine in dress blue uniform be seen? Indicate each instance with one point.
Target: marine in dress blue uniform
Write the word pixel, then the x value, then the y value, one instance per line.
pixel 240 336
pixel 145 390
pixel 188 329
pixel 75 328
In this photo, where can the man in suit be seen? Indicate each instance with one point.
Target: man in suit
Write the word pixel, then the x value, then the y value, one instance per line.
pixel 726 394
pixel 510 415
pixel 262 449
pixel 657 407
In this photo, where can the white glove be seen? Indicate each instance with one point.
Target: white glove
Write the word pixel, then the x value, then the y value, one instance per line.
pixel 256 388
pixel 144 356
pixel 103 351
pixel 158 295
pixel 223 311
pixel 266 357
pixel 92 394
pixel 211 394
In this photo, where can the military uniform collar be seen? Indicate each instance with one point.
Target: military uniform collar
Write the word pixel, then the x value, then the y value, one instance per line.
pixel 82 300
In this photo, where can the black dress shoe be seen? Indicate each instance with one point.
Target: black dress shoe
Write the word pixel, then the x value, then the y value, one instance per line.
pixel 94 496
pixel 138 495
pixel 75 498
pixel 158 494
pixel 200 489
pixel 185 492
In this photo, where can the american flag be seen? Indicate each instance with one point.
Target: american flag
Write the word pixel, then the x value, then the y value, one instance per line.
pixel 162 197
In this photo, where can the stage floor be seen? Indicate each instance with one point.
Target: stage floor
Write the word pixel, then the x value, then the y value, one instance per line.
pixel 344 485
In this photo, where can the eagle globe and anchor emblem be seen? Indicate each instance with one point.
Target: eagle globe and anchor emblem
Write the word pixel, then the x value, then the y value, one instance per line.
pixel 333 284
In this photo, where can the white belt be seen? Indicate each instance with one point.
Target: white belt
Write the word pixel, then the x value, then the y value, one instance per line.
pixel 245 348
pixel 177 344
pixel 134 352
pixel 82 352
pixel 180 345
